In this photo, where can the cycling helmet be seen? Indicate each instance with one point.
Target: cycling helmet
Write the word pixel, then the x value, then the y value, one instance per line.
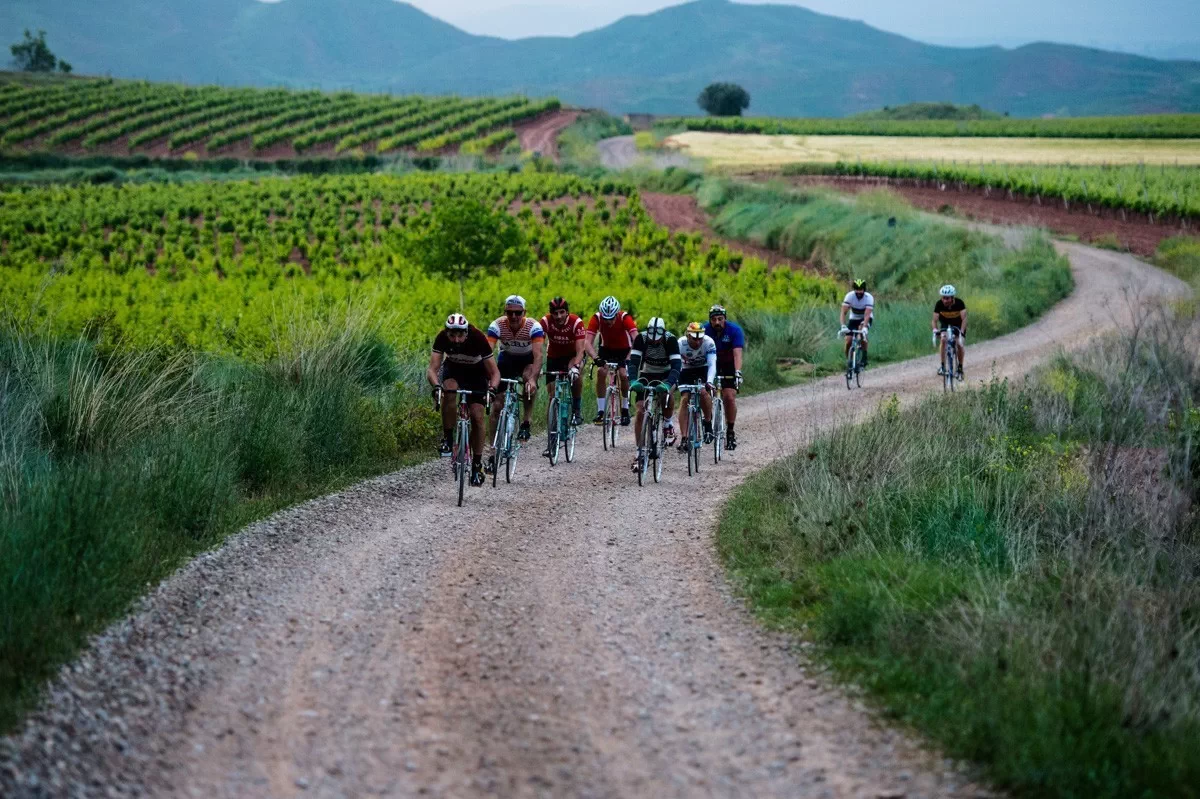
pixel 860 285
pixel 716 310
pixel 948 291
pixel 558 304
pixel 695 330
pixel 656 329
pixel 609 308
pixel 515 299
pixel 456 321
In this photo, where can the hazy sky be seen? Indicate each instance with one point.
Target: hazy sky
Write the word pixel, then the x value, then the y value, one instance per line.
pixel 1131 25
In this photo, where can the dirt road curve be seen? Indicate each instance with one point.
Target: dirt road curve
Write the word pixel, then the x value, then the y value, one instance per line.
pixel 570 635
pixel 541 135
pixel 620 152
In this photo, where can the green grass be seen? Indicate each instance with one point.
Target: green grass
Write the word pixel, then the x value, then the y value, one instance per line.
pixel 904 256
pixel 115 468
pixel 1009 571
pixel 577 143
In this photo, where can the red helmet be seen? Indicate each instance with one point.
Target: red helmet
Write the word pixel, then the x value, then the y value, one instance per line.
pixel 558 304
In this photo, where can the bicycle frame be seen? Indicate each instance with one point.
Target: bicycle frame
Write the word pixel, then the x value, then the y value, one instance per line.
pixel 560 432
pixel 854 359
pixel 460 454
pixel 651 438
pixel 695 439
pixel 612 405
pixel 505 446
pixel 718 421
pixel 949 356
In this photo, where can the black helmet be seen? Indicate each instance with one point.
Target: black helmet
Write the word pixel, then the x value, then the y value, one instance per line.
pixel 558 304
pixel 860 285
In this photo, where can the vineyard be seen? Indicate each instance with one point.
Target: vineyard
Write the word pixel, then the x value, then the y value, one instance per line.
pixel 106 116
pixel 213 266
pixel 1158 190
pixel 1156 126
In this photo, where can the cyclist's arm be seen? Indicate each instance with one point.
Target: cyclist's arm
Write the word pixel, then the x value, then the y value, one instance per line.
pixel 493 373
pixel 962 327
pixel 935 321
pixel 676 362
pixel 737 359
pixel 537 353
pixel 435 368
pixel 710 361
pixel 845 309
pixel 589 344
pixel 579 353
pixel 635 363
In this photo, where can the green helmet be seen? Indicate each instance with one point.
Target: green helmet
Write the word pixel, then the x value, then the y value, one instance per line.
pixel 860 284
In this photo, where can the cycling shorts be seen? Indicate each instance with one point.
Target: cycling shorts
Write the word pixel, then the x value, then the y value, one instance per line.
pixel 693 375
pixel 855 324
pixel 470 378
pixel 610 355
pixel 942 325
pixel 513 367
pixel 556 365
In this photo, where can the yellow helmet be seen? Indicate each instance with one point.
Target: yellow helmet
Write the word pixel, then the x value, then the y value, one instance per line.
pixel 695 330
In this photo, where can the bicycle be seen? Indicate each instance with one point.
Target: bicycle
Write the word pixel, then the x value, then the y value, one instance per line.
pixel 950 354
pixel 460 453
pixel 649 446
pixel 695 437
pixel 854 365
pixel 718 421
pixel 612 406
pixel 506 447
pixel 560 432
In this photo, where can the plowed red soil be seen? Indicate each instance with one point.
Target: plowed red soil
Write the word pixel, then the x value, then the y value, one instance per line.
pixel 541 134
pixel 1135 232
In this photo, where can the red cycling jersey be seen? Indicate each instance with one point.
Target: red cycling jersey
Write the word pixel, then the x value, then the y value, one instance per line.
pixel 562 339
pixel 617 333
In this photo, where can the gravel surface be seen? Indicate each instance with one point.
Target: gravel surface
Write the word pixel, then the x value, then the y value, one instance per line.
pixel 568 635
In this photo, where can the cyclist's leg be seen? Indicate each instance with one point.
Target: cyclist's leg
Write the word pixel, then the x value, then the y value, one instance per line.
pixel 706 406
pixel 641 413
pixel 684 397
pixel 527 401
pixel 477 432
pixel 962 349
pixel 449 406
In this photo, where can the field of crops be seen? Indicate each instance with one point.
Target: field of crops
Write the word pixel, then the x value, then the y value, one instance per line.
pixel 214 266
pixel 1157 126
pixel 1159 190
pixel 127 116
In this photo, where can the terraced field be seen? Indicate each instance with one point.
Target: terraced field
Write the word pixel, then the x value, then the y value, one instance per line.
pixel 123 117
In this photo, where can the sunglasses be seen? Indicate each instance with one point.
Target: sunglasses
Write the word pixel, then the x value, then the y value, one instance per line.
pixel 514 313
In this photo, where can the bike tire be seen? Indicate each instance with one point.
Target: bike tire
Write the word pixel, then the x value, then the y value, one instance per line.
pixel 644 447
pixel 464 458
pixel 552 430
pixel 696 442
pixel 572 433
pixel 607 425
pixel 718 427
pixel 657 433
pixel 858 370
pixel 614 408
pixel 850 369
pixel 513 449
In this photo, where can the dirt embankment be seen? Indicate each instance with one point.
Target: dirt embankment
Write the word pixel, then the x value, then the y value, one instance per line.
pixel 540 135
pixel 1132 231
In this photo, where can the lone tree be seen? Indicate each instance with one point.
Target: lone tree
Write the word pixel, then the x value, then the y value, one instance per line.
pixel 33 55
pixel 465 237
pixel 724 99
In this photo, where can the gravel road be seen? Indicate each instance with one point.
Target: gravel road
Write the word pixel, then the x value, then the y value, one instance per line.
pixel 620 152
pixel 569 635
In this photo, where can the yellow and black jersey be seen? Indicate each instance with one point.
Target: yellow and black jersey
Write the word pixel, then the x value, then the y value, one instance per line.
pixel 950 315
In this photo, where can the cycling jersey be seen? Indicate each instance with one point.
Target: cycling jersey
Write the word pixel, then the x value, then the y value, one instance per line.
pixel 655 360
pixel 516 342
pixel 858 307
pixel 617 333
pixel 729 339
pixel 562 339
pixel 701 360
pixel 950 316
pixel 471 352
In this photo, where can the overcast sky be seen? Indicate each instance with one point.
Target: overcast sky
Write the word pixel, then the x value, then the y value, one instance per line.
pixel 1131 25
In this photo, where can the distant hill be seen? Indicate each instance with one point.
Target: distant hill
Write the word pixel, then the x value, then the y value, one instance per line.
pixel 915 111
pixel 793 61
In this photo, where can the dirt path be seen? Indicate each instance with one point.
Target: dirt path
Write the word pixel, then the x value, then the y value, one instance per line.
pixel 541 135
pixel 569 635
pixel 620 152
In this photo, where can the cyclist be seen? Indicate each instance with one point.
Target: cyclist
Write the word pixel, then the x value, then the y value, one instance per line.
pixel 698 353
pixel 950 311
pixel 462 358
pixel 564 351
pixel 616 330
pixel 655 356
pixel 860 305
pixel 731 342
pixel 520 358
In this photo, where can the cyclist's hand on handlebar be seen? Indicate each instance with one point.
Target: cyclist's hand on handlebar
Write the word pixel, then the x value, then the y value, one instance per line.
pixel 598 361
pixel 737 379
pixel 663 388
pixel 710 388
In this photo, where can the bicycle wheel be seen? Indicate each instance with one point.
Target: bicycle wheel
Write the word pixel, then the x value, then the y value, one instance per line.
pixel 552 430
pixel 718 427
pixel 656 434
pixel 572 432
pixel 614 415
pixel 948 370
pixel 644 450
pixel 463 458
pixel 513 449
pixel 608 424
pixel 850 369
pixel 858 368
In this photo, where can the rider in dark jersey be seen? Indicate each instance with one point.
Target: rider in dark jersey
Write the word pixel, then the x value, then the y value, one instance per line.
pixel 654 357
pixel 462 359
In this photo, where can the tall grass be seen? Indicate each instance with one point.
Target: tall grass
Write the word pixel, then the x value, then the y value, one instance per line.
pixel 117 467
pixel 577 143
pixel 1012 571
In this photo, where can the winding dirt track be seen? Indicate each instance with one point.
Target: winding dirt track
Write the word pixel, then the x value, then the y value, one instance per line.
pixel 569 635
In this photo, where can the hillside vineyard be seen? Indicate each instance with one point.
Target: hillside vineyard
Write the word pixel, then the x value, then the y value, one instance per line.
pixel 120 116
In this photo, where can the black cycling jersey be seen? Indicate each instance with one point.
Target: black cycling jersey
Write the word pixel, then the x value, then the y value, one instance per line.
pixel 656 360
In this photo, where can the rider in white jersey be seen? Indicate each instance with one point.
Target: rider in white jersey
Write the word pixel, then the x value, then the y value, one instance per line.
pixel 860 305
pixel 699 354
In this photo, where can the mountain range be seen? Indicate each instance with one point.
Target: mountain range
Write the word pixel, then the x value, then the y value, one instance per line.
pixel 794 62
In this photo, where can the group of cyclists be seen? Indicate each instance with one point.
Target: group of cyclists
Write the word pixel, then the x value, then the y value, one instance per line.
pixel 515 346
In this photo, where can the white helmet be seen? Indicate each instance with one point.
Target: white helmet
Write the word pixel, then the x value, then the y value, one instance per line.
pixel 656 329
pixel 515 299
pixel 456 321
pixel 948 290
pixel 609 307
